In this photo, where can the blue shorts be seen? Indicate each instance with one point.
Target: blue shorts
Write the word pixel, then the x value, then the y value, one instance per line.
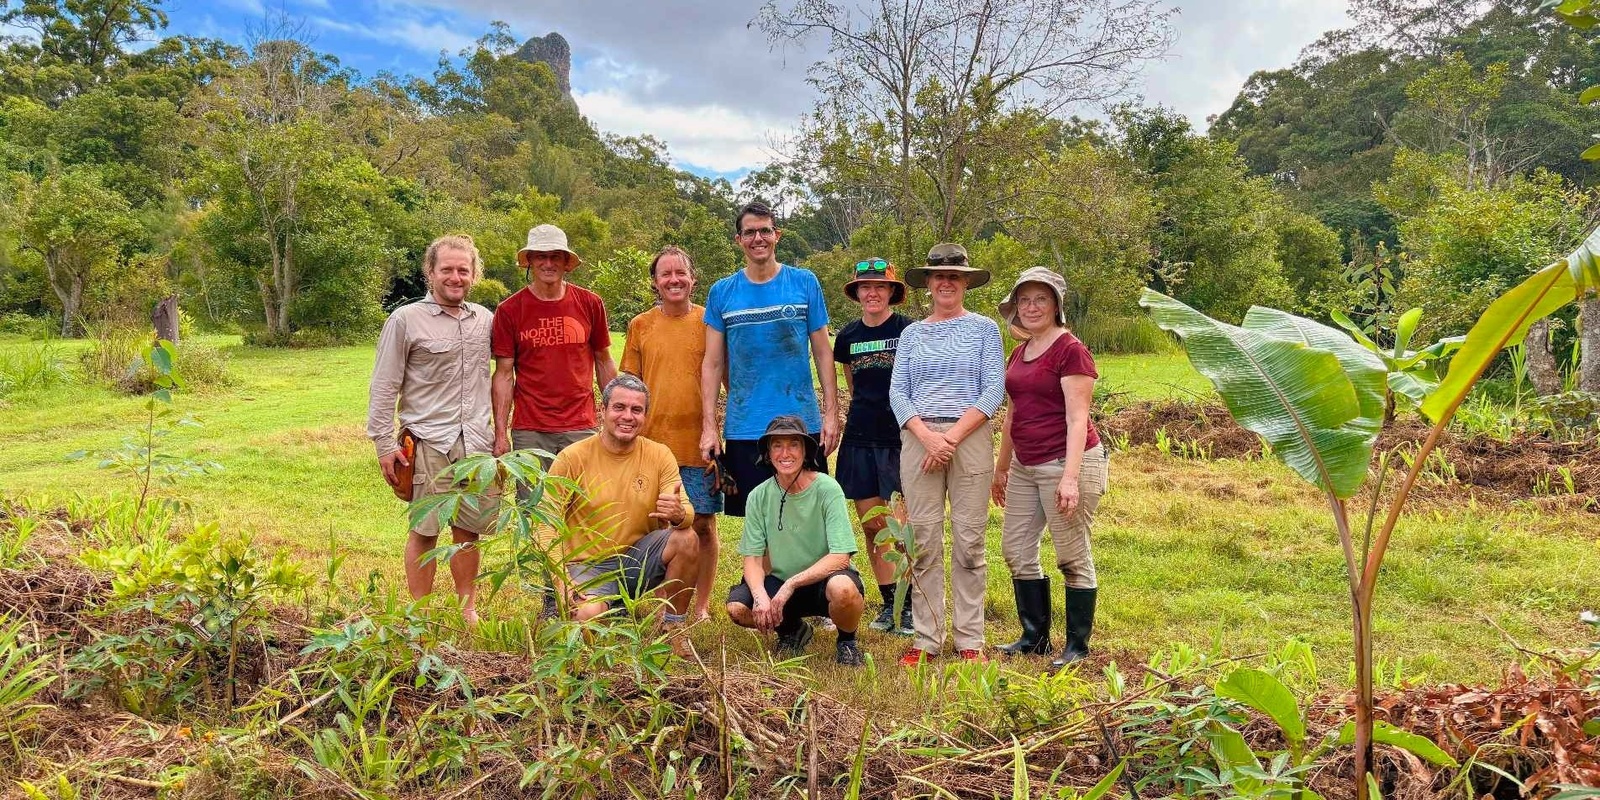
pixel 869 470
pixel 697 487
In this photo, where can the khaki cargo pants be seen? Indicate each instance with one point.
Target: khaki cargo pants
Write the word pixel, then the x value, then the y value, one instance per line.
pixel 432 477
pixel 1031 510
pixel 964 483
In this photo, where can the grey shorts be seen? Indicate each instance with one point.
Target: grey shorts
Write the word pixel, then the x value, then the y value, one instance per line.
pixel 552 443
pixel 632 573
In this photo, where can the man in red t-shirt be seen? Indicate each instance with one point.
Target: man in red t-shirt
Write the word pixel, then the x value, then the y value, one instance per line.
pixel 549 342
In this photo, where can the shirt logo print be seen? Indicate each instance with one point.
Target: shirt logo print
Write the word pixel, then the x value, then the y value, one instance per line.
pixel 877 345
pixel 553 331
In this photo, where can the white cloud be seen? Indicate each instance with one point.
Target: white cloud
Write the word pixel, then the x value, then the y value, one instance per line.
pixel 710 136
pixel 1221 44
pixel 254 8
pixel 700 77
pixel 423 37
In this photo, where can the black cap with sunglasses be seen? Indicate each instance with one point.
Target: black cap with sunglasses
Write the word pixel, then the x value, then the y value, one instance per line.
pixel 950 257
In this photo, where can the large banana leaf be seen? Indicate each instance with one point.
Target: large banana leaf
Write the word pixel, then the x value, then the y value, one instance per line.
pixel 1296 396
pixel 1364 368
pixel 1508 318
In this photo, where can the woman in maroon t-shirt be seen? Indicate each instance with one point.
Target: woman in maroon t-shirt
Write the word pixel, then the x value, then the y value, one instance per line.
pixel 1051 468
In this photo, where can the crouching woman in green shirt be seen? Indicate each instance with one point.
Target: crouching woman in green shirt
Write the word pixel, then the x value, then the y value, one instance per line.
pixel 797 546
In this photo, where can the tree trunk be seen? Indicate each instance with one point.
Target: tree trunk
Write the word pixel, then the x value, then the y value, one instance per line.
pixel 1589 333
pixel 165 318
pixel 61 282
pixel 286 289
pixel 1542 369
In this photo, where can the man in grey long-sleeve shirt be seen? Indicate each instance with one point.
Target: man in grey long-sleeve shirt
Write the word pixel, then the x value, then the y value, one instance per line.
pixel 433 359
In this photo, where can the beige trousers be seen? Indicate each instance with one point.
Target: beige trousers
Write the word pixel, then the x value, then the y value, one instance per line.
pixel 1031 510
pixel 964 482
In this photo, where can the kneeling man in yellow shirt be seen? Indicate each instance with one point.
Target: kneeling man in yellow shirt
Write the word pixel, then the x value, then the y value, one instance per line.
pixel 629 532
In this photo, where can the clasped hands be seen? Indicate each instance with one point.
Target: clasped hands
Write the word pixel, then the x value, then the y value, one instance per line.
pixel 768 612
pixel 939 447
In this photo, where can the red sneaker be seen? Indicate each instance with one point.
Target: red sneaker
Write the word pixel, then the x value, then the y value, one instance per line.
pixel 975 656
pixel 913 658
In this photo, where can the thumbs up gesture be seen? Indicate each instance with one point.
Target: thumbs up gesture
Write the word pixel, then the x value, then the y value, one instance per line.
pixel 669 506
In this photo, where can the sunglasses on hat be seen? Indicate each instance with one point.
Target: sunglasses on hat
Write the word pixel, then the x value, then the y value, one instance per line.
pixel 873 265
pixel 956 260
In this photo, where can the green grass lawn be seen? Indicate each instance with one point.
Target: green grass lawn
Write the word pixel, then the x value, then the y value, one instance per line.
pixel 1231 555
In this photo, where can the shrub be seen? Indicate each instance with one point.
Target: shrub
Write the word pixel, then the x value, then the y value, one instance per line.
pixel 20 324
pixel 1124 335
pixel 113 359
pixel 30 368
pixel 489 293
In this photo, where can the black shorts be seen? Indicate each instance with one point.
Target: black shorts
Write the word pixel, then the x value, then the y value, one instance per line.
pixel 867 471
pixel 740 456
pixel 808 601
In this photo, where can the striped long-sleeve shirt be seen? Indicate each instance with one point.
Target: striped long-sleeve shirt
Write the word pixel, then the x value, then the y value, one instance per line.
pixel 944 368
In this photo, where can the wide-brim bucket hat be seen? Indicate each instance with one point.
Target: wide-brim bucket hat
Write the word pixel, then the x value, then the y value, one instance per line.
pixel 876 270
pixel 788 425
pixel 947 257
pixel 547 239
pixel 1045 276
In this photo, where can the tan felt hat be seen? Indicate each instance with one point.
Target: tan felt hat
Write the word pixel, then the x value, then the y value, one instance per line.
pixel 947 257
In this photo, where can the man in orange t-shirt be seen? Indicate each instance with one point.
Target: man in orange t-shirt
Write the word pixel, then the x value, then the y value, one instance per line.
pixel 665 348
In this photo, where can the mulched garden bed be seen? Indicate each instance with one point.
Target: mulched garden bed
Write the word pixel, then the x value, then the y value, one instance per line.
pixel 1507 469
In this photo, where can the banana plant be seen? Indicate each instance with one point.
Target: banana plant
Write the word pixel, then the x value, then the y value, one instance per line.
pixel 1412 373
pixel 1283 775
pixel 1317 398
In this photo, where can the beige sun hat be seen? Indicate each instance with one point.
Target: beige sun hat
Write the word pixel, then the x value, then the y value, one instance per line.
pixel 946 257
pixel 544 239
pixel 1041 275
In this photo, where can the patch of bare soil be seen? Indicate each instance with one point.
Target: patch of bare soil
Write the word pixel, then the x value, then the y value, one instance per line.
pixel 1527 467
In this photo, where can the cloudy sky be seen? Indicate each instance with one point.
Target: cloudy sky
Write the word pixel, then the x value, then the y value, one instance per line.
pixel 698 76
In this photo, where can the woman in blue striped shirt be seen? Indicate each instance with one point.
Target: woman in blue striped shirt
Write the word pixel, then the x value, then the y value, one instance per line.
pixel 948 380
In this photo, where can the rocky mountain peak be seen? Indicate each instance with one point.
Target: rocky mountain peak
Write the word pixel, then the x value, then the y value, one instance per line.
pixel 552 49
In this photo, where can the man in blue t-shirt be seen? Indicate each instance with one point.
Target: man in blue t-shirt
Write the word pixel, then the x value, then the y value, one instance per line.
pixel 765 326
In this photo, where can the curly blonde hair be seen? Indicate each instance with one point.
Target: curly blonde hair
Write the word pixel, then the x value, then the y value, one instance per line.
pixel 452 241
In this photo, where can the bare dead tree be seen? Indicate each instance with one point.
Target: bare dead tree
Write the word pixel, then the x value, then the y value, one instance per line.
pixel 929 76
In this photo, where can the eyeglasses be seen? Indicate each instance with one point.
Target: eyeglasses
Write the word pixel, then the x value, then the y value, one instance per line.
pixel 763 233
pixel 947 261
pixel 1041 300
pixel 874 265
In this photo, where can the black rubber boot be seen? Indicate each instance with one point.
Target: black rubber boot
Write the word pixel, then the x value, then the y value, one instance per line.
pixel 1080 623
pixel 1033 609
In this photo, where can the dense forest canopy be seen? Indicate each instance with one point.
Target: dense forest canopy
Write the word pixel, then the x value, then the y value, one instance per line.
pixel 1428 155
